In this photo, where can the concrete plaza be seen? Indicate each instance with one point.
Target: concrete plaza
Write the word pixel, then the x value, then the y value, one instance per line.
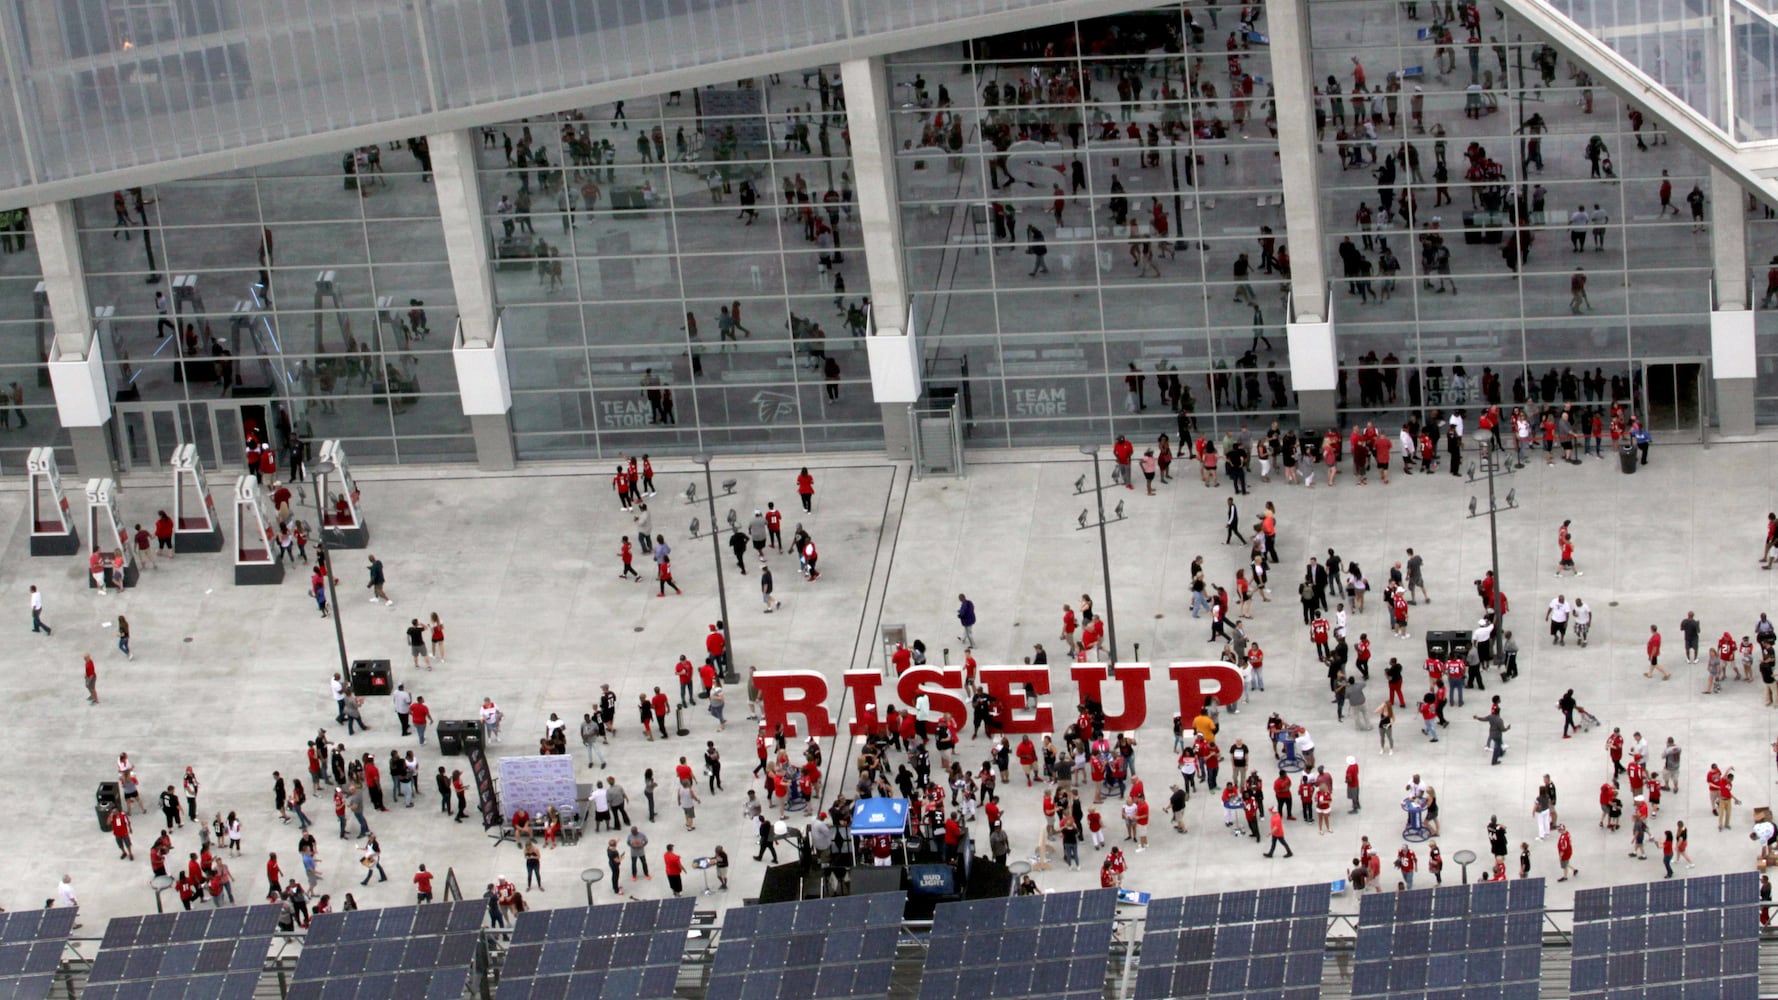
pixel 523 570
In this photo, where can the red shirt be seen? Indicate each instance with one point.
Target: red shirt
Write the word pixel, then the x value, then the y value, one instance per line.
pixel 1654 645
pixel 91 671
pixel 120 825
pixel 1564 846
pixel 805 485
pixel 714 644
pixel 1318 631
pixel 774 519
pixel 272 870
pixel 419 713
pixel 659 703
pixel 1068 621
pixel 683 772
pixel 672 863
pixel 1352 776
pixel 423 881
pixel 682 670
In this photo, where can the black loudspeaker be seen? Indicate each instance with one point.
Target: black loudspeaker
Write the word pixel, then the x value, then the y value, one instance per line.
pixel 987 880
pixel 457 735
pixel 870 878
pixel 782 884
pixel 630 199
pixel 110 793
pixel 371 678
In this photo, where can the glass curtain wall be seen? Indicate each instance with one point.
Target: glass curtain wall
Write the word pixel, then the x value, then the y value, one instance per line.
pixel 1762 284
pixel 1500 226
pixel 27 405
pixel 683 273
pixel 1094 225
pixel 312 294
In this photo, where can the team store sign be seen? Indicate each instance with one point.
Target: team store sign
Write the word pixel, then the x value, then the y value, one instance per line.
pixel 787 696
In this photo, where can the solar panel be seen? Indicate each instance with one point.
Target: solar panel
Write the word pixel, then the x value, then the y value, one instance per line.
pixel 1672 939
pixel 599 952
pixel 1455 942
pixel 31 943
pixel 1234 944
pixel 193 953
pixel 408 951
pixel 991 947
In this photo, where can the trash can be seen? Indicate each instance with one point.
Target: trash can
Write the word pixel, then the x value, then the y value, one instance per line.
pixel 1626 456
pixel 371 678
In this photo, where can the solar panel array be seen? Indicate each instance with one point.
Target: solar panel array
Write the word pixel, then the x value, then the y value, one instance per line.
pixel 203 954
pixel 406 951
pixel 628 952
pixel 818 949
pixel 1056 945
pixel 1454 942
pixel 1695 937
pixel 31 943
pixel 1266 944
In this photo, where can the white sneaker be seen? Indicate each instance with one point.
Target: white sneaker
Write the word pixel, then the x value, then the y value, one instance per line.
pixel 373 600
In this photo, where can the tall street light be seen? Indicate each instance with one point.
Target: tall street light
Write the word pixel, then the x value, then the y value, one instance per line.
pixel 731 675
pixel 320 471
pixel 1092 451
pixel 1490 463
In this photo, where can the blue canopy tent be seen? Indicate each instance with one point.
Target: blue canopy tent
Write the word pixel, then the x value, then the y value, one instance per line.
pixel 879 817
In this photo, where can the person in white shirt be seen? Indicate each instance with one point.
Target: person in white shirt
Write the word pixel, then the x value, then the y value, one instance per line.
pixel 65 892
pixel 1583 620
pixel 1557 616
pixel 37 613
pixel 1457 423
pixel 491 717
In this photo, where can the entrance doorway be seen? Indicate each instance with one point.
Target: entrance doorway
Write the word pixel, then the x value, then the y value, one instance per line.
pixel 146 433
pixel 1673 399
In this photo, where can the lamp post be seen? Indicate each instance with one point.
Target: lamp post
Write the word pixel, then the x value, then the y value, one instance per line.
pixel 1092 451
pixel 730 675
pixel 1490 464
pixel 320 470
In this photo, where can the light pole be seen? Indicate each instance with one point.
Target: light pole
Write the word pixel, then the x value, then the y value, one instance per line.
pixel 730 676
pixel 320 470
pixel 1490 465
pixel 1092 451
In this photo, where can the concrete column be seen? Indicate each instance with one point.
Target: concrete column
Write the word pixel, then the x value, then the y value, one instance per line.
pixel 75 360
pixel 479 348
pixel 1313 355
pixel 1732 360
pixel 1293 79
pixel 894 353
pixel 465 234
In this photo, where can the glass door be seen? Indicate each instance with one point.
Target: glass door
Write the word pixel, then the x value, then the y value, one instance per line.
pixel 1673 399
pixel 147 433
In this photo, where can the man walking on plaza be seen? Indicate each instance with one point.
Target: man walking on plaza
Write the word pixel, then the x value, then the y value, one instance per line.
pixel 376 583
pixel 966 618
pixel 37 613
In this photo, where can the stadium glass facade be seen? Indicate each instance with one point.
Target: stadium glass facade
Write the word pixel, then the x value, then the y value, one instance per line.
pixel 1093 232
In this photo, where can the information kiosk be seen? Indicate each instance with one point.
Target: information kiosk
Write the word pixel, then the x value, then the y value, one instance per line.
pixel 345 527
pixel 52 530
pixel 195 528
pixel 256 562
pixel 105 528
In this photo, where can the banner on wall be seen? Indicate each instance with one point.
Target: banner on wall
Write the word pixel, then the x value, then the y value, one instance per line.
pixel 798 700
